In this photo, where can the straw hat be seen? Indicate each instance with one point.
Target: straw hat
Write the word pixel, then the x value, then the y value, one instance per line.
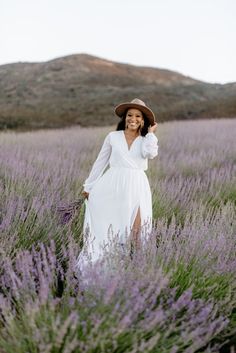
pixel 138 104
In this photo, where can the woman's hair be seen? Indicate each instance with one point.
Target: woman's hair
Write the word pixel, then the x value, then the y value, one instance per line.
pixel 144 129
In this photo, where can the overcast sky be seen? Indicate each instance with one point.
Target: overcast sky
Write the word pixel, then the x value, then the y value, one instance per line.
pixel 194 37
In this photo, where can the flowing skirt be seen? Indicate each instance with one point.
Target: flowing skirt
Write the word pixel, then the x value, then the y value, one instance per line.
pixel 112 206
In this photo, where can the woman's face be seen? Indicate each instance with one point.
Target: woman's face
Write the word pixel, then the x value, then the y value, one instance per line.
pixel 134 119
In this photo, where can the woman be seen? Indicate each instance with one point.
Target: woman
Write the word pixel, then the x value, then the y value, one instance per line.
pixel 119 201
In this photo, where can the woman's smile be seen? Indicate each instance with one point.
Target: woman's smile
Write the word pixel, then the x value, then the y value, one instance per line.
pixel 132 124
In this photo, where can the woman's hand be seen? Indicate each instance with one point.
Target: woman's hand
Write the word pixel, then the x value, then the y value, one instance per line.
pixel 85 194
pixel 153 127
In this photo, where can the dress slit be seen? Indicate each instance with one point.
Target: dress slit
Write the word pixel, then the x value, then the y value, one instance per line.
pixel 134 215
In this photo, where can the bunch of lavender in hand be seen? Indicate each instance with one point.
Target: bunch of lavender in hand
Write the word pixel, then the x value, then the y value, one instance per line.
pixel 67 211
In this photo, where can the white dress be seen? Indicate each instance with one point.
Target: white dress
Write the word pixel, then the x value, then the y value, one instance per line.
pixel 114 196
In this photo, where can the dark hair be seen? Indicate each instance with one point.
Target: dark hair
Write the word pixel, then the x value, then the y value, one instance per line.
pixel 144 129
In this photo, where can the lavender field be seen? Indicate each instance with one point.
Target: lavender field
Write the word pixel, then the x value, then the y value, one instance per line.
pixel 177 295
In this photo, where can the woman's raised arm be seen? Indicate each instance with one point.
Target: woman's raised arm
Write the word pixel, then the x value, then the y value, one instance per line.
pixel 150 146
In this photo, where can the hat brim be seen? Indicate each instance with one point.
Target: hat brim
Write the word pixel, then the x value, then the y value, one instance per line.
pixel 121 108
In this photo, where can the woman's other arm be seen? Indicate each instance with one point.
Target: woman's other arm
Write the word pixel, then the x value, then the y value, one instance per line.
pixel 99 166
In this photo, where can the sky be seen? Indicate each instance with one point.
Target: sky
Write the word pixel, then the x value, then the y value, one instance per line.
pixel 195 38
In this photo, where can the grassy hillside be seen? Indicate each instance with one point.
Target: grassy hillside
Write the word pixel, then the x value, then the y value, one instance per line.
pixel 83 90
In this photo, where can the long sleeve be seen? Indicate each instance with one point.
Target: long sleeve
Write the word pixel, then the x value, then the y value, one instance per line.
pixel 99 165
pixel 150 146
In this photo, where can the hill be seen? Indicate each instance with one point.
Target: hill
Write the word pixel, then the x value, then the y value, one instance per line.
pixel 83 89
